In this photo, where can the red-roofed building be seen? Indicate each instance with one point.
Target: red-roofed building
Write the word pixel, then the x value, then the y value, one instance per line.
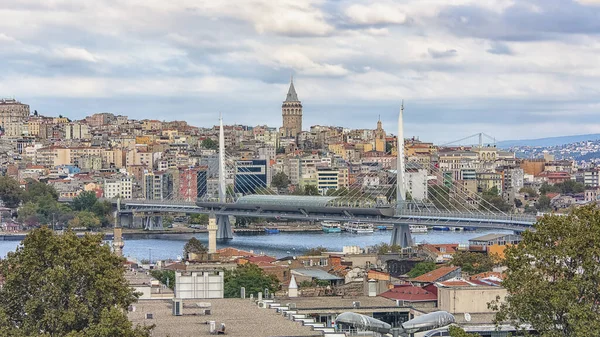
pixel 408 295
pixel 441 252
pixel 256 259
pixel 437 275
pixel 231 254
pixel 555 177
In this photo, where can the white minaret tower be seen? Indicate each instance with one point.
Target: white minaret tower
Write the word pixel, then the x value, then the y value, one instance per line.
pixel 401 188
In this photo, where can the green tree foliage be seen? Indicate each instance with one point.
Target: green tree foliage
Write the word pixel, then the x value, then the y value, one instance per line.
pixel 553 276
pixel 251 277
pixel 311 190
pixel 316 251
pixel 493 201
pixel 570 187
pixel 543 204
pixel 84 201
pixel 384 248
pixel 194 246
pixel 529 191
pixel 35 190
pixel 166 277
pixel 200 219
pixel 472 262
pixel 439 195
pixel 62 285
pixel 421 268
pixel 209 144
pixel 10 192
pixel 518 203
pixel 458 332
pixel 85 219
pixel 44 210
pixel 280 180
pixel 547 188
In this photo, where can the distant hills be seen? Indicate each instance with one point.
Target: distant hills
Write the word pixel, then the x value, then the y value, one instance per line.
pixel 550 141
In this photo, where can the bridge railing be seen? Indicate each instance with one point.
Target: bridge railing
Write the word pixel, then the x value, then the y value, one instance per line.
pixel 486 216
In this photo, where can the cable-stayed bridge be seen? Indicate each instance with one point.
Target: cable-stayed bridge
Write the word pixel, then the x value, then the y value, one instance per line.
pixel 413 193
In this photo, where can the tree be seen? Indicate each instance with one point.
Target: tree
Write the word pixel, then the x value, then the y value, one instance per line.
pixel 194 246
pixel 518 203
pixel 570 187
pixel 62 285
pixel 280 180
pixel 529 191
pixel 492 200
pixel 166 277
pixel 316 251
pixel 251 277
pixel 439 195
pixel 35 190
pixel 546 188
pixel 458 332
pixel 384 248
pixel 311 190
pixel 473 263
pixel 553 276
pixel 84 201
pixel 209 144
pixel 85 219
pixel 201 219
pixel 10 192
pixel 421 268
pixel 543 203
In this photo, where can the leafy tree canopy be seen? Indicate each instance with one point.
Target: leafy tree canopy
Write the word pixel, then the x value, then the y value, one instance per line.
pixel 384 248
pixel 85 219
pixel 201 219
pixel 280 180
pixel 422 268
pixel 166 277
pixel 84 201
pixel 209 144
pixel 543 203
pixel 458 332
pixel 62 285
pixel 10 192
pixel 530 191
pixel 35 190
pixel 311 190
pixel 316 251
pixel 553 276
pixel 194 246
pixel 251 277
pixel 473 263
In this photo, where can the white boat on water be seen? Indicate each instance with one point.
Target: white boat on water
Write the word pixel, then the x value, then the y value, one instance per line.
pixel 331 226
pixel 359 227
pixel 418 229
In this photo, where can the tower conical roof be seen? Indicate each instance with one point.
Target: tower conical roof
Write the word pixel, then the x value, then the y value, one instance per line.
pixel 291 95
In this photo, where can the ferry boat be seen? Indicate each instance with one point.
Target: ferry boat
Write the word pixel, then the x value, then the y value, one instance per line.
pixel 271 230
pixel 331 227
pixel 359 227
pixel 441 228
pixel 382 228
pixel 418 228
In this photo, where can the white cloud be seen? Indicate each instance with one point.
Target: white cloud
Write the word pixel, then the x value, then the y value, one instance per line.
pixel 376 14
pixel 75 54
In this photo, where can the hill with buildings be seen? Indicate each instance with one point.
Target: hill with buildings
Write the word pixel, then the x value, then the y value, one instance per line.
pixel 549 141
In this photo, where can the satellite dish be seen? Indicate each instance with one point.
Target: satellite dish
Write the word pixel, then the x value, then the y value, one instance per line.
pixel 467 317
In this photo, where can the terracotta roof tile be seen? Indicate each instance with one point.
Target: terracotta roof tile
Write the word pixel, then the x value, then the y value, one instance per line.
pixel 435 275
pixel 410 294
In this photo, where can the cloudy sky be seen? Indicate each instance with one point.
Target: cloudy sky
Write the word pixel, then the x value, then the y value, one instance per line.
pixel 510 68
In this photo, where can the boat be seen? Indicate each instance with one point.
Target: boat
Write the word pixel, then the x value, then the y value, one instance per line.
pixel 382 228
pixel 470 228
pixel 271 230
pixel 441 228
pixel 359 227
pixel 331 227
pixel 418 228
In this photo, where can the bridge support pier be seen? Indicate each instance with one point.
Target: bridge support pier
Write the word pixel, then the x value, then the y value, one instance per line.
pixel 401 236
pixel 153 222
pixel 224 230
pixel 126 220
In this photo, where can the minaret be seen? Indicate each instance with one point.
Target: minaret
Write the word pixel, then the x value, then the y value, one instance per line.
pixel 212 234
pixel 379 137
pixel 291 111
pixel 118 232
pixel 401 188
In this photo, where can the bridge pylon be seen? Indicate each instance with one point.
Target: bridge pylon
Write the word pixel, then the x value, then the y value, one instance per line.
pixel 224 230
pixel 401 236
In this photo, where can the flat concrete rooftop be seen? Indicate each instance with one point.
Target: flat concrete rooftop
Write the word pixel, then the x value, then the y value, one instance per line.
pixel 241 317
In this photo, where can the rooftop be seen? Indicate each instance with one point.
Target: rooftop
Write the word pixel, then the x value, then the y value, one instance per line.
pixel 315 273
pixel 409 294
pixel 488 237
pixel 435 275
pixel 241 318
